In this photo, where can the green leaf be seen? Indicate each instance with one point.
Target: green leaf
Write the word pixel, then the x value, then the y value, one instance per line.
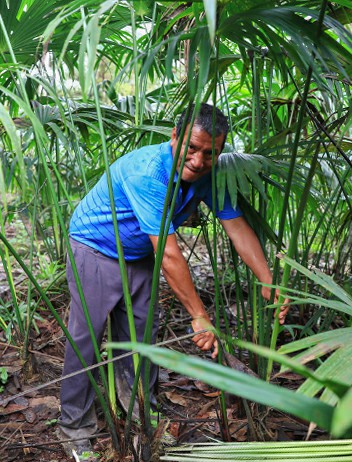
pixel 242 170
pixel 87 53
pixel 338 366
pixel 330 340
pixel 237 383
pixel 302 451
pixel 323 280
pixel 338 384
pixel 344 3
pixel 342 417
pixel 204 59
pixel 210 12
pixel 10 128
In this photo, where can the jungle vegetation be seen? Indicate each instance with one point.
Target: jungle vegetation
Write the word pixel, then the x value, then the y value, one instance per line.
pixel 84 82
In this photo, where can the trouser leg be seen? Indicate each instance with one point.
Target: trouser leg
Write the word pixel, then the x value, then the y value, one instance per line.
pixel 140 275
pixel 101 284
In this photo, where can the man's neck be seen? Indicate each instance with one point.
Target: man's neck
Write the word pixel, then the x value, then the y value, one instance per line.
pixel 185 187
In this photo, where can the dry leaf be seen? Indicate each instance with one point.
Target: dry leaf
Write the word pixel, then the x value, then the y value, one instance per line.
pixel 241 434
pixel 11 408
pixel 203 412
pixel 202 386
pixel 45 406
pixel 289 376
pixel 214 394
pixel 233 362
pixel 29 415
pixel 182 382
pixel 176 398
pixel 174 429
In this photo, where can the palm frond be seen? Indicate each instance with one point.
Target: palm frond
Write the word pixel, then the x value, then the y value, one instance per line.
pixel 232 381
pixel 337 344
pixel 322 451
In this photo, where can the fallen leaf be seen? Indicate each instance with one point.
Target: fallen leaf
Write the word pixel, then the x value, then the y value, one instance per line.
pixel 241 434
pixel 214 394
pixel 289 376
pixel 203 412
pixel 174 429
pixel 233 362
pixel 11 408
pixel 11 426
pixel 12 369
pixel 182 382
pixel 48 401
pixel 45 407
pixel 29 415
pixel 22 401
pixel 202 386
pixel 164 376
pixel 176 398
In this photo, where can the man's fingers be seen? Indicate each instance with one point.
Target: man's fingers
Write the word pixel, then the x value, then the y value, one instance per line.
pixel 283 312
pixel 216 350
pixel 206 341
pixel 284 308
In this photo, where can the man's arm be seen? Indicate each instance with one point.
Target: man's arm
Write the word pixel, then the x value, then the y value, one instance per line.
pixel 177 275
pixel 249 249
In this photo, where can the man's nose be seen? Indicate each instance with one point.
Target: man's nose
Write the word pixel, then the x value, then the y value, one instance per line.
pixel 197 160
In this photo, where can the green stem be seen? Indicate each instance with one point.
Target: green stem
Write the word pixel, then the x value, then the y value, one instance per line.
pixel 293 240
pixel 135 61
pixel 111 372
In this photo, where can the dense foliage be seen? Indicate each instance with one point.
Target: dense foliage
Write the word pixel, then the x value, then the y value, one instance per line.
pixel 84 82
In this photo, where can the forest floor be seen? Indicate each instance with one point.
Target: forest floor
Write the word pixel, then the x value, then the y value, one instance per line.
pixel 28 422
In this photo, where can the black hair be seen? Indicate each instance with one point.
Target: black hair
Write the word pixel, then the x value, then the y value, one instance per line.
pixel 204 120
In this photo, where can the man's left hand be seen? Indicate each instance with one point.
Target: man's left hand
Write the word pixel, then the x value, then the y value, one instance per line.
pixel 206 340
pixel 284 307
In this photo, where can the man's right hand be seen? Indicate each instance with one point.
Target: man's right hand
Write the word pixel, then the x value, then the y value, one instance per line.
pixel 176 273
pixel 206 340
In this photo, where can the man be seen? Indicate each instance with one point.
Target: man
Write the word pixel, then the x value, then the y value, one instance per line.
pixel 140 180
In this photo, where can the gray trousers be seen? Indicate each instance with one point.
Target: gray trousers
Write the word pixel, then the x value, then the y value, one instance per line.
pixel 102 288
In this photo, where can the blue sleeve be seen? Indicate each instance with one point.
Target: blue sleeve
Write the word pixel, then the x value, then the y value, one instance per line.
pixel 227 212
pixel 147 198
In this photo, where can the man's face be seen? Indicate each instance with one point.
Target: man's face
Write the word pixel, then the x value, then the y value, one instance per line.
pixel 198 160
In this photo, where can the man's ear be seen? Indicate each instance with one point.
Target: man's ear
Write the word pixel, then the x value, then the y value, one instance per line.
pixel 173 140
pixel 173 134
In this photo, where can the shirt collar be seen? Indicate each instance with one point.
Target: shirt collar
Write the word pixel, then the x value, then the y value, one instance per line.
pixel 166 152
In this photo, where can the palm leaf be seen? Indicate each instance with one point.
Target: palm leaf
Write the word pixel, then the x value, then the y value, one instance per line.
pixel 289 28
pixel 341 422
pixel 25 27
pixel 237 383
pixel 244 171
pixel 303 451
pixel 322 280
pixel 337 343
pixel 210 11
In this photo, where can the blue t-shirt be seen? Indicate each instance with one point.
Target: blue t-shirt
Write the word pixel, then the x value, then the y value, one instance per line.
pixel 139 180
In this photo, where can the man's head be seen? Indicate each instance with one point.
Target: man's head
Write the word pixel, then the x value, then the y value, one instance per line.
pixel 204 120
pixel 199 153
